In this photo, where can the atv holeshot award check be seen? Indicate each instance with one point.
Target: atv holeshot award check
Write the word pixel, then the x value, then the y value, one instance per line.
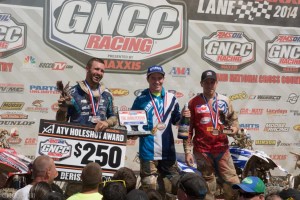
pixel 72 146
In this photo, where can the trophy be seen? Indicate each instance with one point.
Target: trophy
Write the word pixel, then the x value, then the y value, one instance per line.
pixel 227 122
pixel 65 93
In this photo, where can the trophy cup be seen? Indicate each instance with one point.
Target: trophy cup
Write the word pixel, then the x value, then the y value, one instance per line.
pixel 65 93
pixel 227 122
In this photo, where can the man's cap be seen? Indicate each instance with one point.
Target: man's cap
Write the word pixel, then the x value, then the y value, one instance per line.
pixel 155 69
pixel 290 194
pixel 251 184
pixel 193 185
pixel 136 194
pixel 208 74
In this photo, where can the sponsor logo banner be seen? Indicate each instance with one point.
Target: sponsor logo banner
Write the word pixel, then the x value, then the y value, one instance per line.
pixel 288 144
pixel 293 98
pixel 13 35
pixel 276 127
pixel 180 71
pixel 37 107
pixel 13 115
pixel 251 111
pixel 265 142
pixel 56 66
pixel 283 53
pixel 295 112
pixel 241 96
pixel 5 67
pixel 117 92
pixel 276 112
pixel 250 127
pixel 11 88
pixel 129 36
pixel 39 89
pixel 12 105
pixel 228 50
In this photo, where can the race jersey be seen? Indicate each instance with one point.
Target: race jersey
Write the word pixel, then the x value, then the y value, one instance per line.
pixel 158 146
pixel 202 118
pixel 81 110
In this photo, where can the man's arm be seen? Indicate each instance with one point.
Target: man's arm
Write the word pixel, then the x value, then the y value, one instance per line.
pixel 187 143
pixel 234 118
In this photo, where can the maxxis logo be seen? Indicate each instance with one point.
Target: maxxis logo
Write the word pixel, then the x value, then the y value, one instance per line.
pixel 228 50
pixel 129 36
pixel 13 35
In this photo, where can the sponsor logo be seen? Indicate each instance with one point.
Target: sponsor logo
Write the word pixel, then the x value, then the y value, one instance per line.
pixel 58 149
pixel 265 142
pixel 228 50
pixel 276 127
pixel 118 92
pixel 13 35
pixel 37 107
pixel 282 53
pixel 43 89
pixel 250 127
pixel 13 115
pixel 11 88
pixel 205 120
pixel 202 109
pixel 54 107
pixel 296 127
pixel 16 123
pixel 276 112
pixel 56 66
pixel 123 108
pixel 287 144
pixel 242 95
pixel 268 98
pixel 295 112
pixel 278 157
pixel 12 106
pixel 4 66
pixel 177 94
pixel 29 63
pixel 30 141
pixel 137 36
pixel 138 92
pixel 252 111
pixel 180 71
pixel 293 98
pixel 14 137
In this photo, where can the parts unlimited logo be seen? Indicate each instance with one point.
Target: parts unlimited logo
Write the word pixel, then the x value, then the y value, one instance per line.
pixel 228 50
pixel 283 53
pixel 129 36
pixel 13 35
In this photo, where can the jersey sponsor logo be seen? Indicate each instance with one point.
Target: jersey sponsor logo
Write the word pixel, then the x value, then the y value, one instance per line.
pixel 205 120
pixel 222 105
pixel 202 109
pixel 283 53
pixel 13 35
pixel 228 50
pixel 128 35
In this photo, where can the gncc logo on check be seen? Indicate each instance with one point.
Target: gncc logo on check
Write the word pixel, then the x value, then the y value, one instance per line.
pixel 129 36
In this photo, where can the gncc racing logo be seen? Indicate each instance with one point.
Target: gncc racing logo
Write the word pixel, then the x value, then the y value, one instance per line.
pixel 13 35
pixel 128 36
pixel 283 53
pixel 228 50
pixel 58 149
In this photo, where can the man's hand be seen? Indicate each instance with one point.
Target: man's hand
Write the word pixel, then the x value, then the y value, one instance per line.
pixel 234 130
pixel 186 113
pixel 64 102
pixel 101 126
pixel 132 137
pixel 189 159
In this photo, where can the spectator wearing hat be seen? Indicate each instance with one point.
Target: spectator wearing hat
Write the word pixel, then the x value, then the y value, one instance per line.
pixel 191 186
pixel 211 114
pixel 252 188
pixel 157 150
pixel 91 177
pixel 114 190
pixel 137 195
pixel 290 194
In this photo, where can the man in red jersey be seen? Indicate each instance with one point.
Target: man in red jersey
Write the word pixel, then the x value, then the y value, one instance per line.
pixel 210 144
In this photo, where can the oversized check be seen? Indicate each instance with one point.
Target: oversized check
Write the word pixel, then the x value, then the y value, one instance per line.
pixel 72 146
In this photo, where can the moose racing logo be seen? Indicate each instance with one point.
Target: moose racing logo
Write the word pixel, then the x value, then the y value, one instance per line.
pixel 12 35
pixel 228 50
pixel 283 53
pixel 129 36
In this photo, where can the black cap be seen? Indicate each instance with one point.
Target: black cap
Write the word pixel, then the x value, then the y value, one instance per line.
pixel 193 184
pixel 208 74
pixel 290 193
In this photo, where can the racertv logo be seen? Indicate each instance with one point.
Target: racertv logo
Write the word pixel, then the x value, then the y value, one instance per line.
pixel 129 36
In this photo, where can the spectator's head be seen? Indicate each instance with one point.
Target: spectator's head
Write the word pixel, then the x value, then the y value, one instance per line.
pixel 43 169
pixel 137 195
pixel 191 186
pixel 91 176
pixel 251 187
pixel 290 194
pixel 54 196
pixel 126 174
pixel 273 196
pixel 39 190
pixel 154 194
pixel 114 190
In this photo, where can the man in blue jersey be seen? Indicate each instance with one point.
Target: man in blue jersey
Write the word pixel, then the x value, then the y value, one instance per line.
pixel 90 102
pixel 157 151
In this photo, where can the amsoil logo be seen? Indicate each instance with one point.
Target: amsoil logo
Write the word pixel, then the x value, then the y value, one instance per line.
pixel 13 35
pixel 129 36
pixel 180 71
pixel 11 88
pixel 283 53
pixel 5 67
pixel 56 66
pixel 117 92
pixel 228 50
